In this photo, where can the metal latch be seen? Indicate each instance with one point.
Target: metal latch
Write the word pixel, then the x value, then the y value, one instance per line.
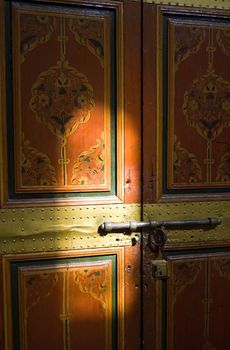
pixel 134 226
pixel 160 269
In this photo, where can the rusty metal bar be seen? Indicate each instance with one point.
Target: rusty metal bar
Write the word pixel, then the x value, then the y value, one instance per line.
pixel 134 226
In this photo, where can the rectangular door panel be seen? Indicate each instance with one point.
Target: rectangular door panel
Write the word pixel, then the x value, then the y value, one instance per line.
pixel 186 303
pixel 197 301
pixel 64 303
pixel 190 116
pixel 64 110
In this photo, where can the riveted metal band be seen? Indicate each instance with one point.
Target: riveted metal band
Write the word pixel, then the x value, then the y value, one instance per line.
pixel 215 4
pixel 62 228
pixel 192 210
pixel 65 228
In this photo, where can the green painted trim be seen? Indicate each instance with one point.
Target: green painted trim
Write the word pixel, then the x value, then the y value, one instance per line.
pixel 165 91
pixel 14 267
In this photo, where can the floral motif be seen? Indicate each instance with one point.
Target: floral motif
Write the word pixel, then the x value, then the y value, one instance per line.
pixel 93 281
pixel 62 99
pixel 223 39
pixel 90 164
pixel 34 30
pixel 186 168
pixel 37 286
pixel 222 266
pixel 36 168
pixel 207 105
pixel 184 273
pixel 187 43
pixel 223 171
pixel 89 32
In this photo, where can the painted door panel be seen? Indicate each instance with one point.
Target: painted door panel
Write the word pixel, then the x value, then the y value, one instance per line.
pixel 185 81
pixel 64 298
pixel 83 298
pixel 65 95
pixel 197 295
pixel 71 155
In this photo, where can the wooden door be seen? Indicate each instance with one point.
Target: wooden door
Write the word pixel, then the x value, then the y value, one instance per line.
pixel 70 160
pixel 74 75
pixel 186 93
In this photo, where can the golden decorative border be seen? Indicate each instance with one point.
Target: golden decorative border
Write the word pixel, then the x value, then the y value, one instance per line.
pixel 215 4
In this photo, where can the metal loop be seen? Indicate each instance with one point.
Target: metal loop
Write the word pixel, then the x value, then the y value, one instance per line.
pixel 157 238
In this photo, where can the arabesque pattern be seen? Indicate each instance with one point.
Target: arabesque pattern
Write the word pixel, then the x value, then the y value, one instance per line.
pixel 63 100
pixel 199 117
pixel 61 296
pixel 34 30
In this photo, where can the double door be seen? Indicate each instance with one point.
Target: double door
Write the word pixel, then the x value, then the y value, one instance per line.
pixel 115 181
